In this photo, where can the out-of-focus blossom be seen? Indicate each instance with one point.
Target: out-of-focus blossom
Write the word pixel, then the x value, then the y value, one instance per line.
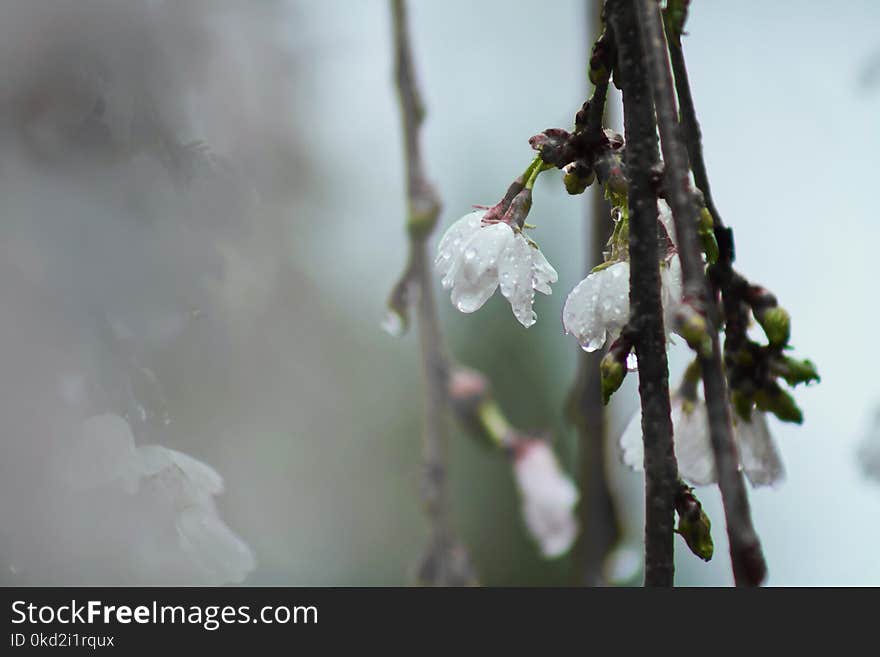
pixel 548 497
pixel 474 259
pixel 869 450
pixel 758 454
pixel 598 307
pixel 172 487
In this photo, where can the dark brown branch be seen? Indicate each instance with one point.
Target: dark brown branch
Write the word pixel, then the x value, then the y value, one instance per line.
pixel 745 548
pixel 692 134
pixel 600 529
pixel 445 562
pixel 641 158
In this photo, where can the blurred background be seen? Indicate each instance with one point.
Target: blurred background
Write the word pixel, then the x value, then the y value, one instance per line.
pixel 203 213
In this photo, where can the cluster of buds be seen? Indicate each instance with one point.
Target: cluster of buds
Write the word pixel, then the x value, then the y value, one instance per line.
pixel 583 156
pixel 757 371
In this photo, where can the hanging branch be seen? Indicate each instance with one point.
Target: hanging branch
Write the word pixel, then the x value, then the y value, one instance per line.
pixel 642 159
pixel 445 562
pixel 745 549
pixel 600 529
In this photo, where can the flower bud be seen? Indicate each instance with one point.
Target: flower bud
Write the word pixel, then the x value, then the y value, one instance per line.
pixel 691 325
pixel 742 403
pixel 674 17
pixel 577 177
pixel 697 534
pixel 777 401
pixel 694 525
pixel 705 230
pixel 776 323
pixel 795 371
pixel 551 144
pixel 601 60
pixel 612 371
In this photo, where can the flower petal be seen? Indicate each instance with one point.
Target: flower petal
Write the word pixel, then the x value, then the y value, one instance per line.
pixel 544 274
pixel 515 279
pixel 757 451
pixel 548 498
pixel 475 276
pixel 693 447
pixel 632 449
pixel 670 291
pixel 598 306
pixel 450 247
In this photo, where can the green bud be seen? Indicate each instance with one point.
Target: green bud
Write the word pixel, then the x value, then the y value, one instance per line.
pixel 421 221
pixel 693 523
pixel 776 323
pixel 742 404
pixel 674 18
pixel 706 231
pixel 599 74
pixel 612 372
pixel 577 178
pixel 693 328
pixel 780 403
pixel 796 371
pixel 575 184
pixel 697 534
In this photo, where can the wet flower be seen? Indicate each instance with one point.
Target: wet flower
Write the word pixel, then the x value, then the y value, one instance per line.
pixel 598 307
pixel 474 259
pixel 758 454
pixel 548 497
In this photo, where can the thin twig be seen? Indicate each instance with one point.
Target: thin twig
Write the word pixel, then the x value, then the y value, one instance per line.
pixel 745 548
pixel 600 529
pixel 641 158
pixel 445 562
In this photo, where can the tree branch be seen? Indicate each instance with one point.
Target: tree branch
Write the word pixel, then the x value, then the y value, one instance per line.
pixel 445 562
pixel 745 548
pixel 641 159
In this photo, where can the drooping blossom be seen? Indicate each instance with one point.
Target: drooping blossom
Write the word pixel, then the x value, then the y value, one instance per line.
pixel 548 497
pixel 598 307
pixel 759 456
pixel 170 488
pixel 474 259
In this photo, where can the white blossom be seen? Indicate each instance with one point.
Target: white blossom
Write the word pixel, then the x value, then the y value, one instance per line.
pixel 598 307
pixel 475 259
pixel 173 488
pixel 548 498
pixel 758 454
